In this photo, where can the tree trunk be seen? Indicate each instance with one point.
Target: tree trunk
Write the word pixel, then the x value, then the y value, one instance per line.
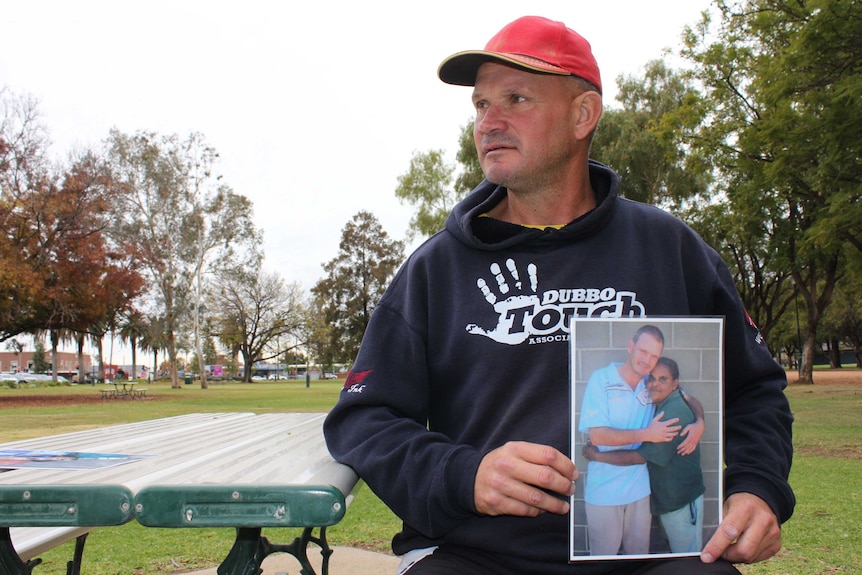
pixel 203 370
pixel 834 353
pixel 82 378
pixel 55 343
pixel 806 367
pixel 172 360
pixel 101 356
pixel 134 342
pixel 199 345
pixel 246 367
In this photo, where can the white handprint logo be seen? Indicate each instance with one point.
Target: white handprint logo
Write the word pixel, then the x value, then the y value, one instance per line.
pixel 515 308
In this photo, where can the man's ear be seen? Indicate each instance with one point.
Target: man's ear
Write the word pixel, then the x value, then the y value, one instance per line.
pixel 588 112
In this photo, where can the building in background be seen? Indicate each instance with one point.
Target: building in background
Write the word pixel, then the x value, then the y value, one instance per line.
pixel 67 362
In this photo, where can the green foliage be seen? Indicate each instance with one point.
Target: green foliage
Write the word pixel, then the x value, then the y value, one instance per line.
pixel 470 170
pixel 640 140
pixel 427 184
pixel 173 212
pixel 40 364
pixel 783 138
pixel 355 281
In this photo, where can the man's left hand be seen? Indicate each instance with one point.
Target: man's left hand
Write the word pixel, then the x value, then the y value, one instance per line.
pixel 692 433
pixel 749 533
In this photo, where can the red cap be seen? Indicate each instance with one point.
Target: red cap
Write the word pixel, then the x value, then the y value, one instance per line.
pixel 532 43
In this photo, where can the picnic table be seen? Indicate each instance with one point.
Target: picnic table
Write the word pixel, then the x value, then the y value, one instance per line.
pixel 245 471
pixel 122 389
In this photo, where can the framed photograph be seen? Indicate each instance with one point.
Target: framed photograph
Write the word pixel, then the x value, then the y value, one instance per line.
pixel 642 391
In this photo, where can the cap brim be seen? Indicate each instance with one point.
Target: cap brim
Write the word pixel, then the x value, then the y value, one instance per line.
pixel 460 69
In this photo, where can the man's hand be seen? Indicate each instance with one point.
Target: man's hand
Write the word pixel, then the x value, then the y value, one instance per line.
pixel 749 533
pixel 513 480
pixel 692 433
pixel 659 431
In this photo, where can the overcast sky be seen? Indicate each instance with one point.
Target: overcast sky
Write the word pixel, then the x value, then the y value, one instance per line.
pixel 315 107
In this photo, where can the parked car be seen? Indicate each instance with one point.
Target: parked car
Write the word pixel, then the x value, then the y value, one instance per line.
pixel 27 377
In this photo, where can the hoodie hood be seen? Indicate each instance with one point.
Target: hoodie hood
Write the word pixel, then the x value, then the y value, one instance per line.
pixel 469 227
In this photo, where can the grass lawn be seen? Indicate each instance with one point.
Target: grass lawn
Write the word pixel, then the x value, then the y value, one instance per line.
pixel 823 537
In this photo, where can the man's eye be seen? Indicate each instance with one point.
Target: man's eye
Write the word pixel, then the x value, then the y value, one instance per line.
pixel 516 99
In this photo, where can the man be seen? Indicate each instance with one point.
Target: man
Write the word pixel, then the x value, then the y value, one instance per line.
pixel 616 413
pixel 456 412
pixel 676 481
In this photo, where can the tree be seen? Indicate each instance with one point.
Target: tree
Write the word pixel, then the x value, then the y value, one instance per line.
pixel 749 247
pixel 133 328
pixel 23 166
pixel 17 348
pixel 254 310
pixel 215 229
pixel 470 172
pixel 40 364
pixel 154 339
pixel 843 320
pixel 428 184
pixel 182 221
pixel 640 140
pixel 771 129
pixel 355 281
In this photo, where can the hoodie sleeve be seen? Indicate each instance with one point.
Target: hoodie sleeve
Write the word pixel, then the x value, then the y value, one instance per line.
pixel 757 416
pixel 378 427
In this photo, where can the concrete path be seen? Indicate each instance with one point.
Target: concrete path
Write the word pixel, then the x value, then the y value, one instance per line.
pixel 344 561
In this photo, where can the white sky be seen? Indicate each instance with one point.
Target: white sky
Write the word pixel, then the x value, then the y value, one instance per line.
pixel 315 107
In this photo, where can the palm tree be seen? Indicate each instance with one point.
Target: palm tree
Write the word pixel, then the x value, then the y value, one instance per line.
pixel 154 338
pixel 133 329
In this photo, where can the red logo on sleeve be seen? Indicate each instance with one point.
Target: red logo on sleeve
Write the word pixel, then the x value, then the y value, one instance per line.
pixel 355 378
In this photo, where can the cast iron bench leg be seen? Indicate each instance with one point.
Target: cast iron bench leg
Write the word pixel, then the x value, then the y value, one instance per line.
pixel 10 561
pixel 11 564
pixel 250 549
pixel 73 567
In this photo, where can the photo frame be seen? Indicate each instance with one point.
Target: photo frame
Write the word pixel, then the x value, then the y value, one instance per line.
pixel 604 359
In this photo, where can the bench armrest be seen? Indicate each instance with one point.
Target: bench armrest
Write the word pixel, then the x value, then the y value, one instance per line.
pixel 64 505
pixel 239 506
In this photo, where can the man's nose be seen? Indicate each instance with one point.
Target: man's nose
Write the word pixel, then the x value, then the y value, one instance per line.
pixel 490 120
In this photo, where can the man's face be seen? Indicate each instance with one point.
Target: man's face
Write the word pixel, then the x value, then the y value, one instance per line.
pixel 661 384
pixel 644 354
pixel 524 127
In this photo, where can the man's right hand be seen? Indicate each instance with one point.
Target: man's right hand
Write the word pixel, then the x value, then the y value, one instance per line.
pixel 513 480
pixel 659 431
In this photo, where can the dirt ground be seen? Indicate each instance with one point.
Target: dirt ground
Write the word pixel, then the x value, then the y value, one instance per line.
pixel 843 376
pixel 11 402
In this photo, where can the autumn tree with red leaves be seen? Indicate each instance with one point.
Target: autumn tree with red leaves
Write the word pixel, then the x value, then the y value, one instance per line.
pixel 58 270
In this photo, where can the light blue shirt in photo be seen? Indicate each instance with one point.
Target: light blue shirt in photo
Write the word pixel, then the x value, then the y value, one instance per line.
pixel 610 402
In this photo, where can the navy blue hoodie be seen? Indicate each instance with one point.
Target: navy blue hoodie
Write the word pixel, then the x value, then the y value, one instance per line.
pixel 467 350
